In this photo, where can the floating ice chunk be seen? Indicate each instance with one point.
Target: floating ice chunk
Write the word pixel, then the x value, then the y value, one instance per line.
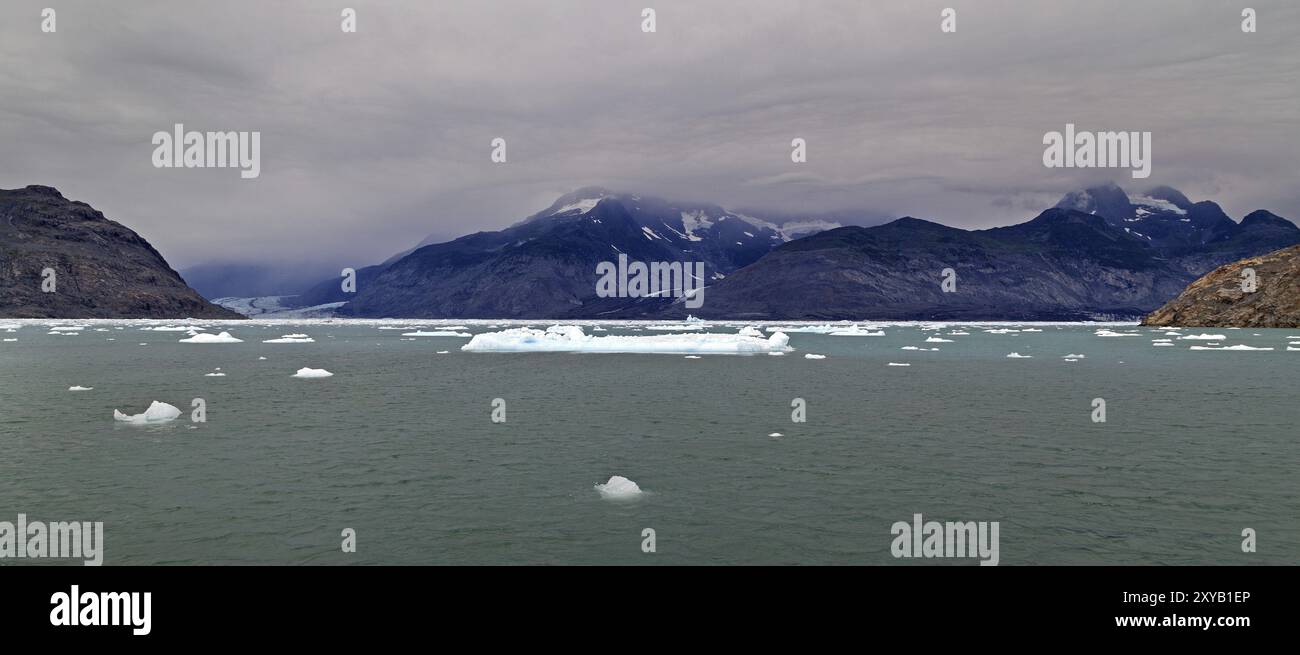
pixel 1203 337
pixel 261 359
pixel 958 334
pixel 1018 356
pixel 79 388
pixel 814 356
pixel 1068 359
pixel 570 338
pixel 899 364
pixel 1001 331
pixel 1162 343
pixel 857 332
pixel 938 340
pixel 676 328
pixel 749 331
pixel 437 333
pixel 1292 348
pixel 312 373
pixel 224 337
pixel 1240 346
pixel 811 329
pixel 214 375
pixel 1030 330
pixel 157 413
pixel 619 487
pixel 1103 332
pixel 776 434
pixel 442 352
pixel 291 338
pixel 1074 356
pixel 174 328
pixel 692 357
pixel 10 339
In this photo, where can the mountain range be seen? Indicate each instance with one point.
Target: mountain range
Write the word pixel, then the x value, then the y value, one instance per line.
pixel 1098 254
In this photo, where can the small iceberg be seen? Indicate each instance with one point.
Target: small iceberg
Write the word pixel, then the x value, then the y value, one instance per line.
pixel 437 333
pixel 224 337
pixel 857 332
pixel 619 488
pixel 1203 337
pixel 1073 356
pixel 157 413
pixel 776 434
pixel 938 340
pixel 749 331
pixel 312 373
pixel 79 388
pixel 899 364
pixel 814 356
pixel 691 357
pixel 1018 356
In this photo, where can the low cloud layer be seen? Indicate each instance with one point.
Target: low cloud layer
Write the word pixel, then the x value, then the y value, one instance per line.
pixel 372 141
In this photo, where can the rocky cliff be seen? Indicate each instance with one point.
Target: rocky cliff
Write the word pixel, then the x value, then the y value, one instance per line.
pixel 1221 298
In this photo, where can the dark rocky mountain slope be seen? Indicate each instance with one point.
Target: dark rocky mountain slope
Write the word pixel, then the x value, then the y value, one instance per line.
pixel 1218 299
pixel 101 268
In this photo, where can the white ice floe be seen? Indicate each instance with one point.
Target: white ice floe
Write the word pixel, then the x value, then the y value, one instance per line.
pixel 174 328
pixel 958 334
pixel 937 340
pixel 157 413
pixel 1292 348
pixel 1030 330
pixel 261 359
pixel 776 434
pixel 437 333
pixel 1018 356
pixel 618 487
pixel 10 339
pixel 749 331
pixel 312 373
pixel 814 356
pixel 1068 359
pixel 1159 344
pixel 811 329
pixel 1236 347
pixel 1001 331
pixel 899 364
pixel 79 388
pixel 1111 333
pixel 214 375
pixel 570 338
pixel 291 338
pixel 1203 337
pixel 224 337
pixel 1074 356
pixel 857 332
pixel 692 357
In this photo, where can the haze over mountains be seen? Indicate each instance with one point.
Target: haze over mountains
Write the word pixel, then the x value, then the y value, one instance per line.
pixel 1098 254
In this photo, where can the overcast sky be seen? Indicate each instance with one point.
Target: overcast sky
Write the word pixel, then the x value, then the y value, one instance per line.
pixel 373 140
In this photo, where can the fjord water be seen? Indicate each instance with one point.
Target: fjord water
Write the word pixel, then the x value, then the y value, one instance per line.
pixel 400 446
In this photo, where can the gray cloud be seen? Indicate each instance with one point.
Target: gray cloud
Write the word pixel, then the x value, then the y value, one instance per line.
pixel 371 141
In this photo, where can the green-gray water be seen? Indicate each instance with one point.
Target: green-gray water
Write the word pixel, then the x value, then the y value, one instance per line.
pixel 400 446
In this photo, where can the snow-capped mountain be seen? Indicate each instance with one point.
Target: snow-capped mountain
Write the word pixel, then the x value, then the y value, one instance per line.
pixel 545 264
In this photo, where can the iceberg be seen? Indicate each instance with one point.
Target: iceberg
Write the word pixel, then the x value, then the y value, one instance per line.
pixel 1019 356
pixel 157 413
pixel 79 388
pixel 437 333
pixel 224 337
pixel 570 338
pixel 1203 337
pixel 857 332
pixel 938 340
pixel 291 338
pixel 814 356
pixel 312 373
pixel 618 487
pixel 899 364
pixel 1111 333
